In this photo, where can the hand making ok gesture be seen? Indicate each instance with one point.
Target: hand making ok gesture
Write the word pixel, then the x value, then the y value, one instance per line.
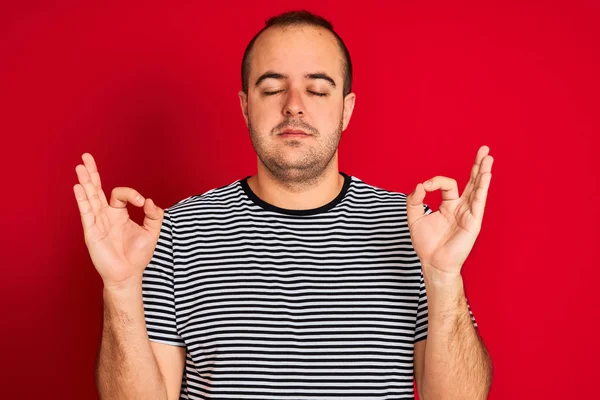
pixel 120 249
pixel 444 238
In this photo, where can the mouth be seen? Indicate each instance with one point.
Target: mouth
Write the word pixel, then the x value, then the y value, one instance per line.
pixel 294 133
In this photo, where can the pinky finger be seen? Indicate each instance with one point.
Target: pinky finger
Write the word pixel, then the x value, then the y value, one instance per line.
pixel 85 209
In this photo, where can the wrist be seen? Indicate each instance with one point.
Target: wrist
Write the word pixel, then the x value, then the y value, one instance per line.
pixel 445 293
pixel 439 278
pixel 124 287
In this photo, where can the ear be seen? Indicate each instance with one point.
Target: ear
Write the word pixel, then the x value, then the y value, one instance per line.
pixel 244 105
pixel 348 108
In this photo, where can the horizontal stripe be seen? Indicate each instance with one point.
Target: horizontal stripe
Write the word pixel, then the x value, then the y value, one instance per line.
pixel 283 304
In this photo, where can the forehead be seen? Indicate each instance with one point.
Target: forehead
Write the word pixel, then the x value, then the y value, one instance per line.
pixel 297 49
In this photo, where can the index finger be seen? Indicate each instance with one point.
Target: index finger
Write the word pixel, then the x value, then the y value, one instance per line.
pixel 121 195
pixel 448 186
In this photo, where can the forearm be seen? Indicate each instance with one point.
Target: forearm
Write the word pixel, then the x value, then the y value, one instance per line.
pixel 127 368
pixel 457 364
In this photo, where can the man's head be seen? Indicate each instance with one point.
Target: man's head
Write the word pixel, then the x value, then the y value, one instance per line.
pixel 296 76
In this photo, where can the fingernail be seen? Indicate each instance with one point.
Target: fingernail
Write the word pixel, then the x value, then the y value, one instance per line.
pixel 140 199
pixel 427 183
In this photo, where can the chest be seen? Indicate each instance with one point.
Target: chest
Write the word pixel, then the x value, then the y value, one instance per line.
pixel 267 281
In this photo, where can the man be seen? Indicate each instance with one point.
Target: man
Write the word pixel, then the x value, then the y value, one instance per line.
pixel 300 282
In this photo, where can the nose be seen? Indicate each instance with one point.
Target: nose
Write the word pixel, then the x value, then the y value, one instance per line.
pixel 293 107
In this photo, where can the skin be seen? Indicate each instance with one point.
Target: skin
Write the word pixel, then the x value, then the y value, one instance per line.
pixel 453 363
pixel 293 172
pixel 296 173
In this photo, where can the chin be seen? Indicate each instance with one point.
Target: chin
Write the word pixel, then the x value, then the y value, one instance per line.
pixel 297 170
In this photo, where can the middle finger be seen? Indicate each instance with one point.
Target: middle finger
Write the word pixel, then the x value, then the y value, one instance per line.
pixel 481 153
pixel 90 165
pixel 90 189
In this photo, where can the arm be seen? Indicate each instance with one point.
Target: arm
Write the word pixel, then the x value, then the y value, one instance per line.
pixel 453 362
pixel 129 366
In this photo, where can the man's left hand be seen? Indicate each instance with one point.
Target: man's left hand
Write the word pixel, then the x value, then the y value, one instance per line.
pixel 444 238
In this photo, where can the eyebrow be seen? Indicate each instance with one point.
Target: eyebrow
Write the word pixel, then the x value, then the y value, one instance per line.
pixel 276 75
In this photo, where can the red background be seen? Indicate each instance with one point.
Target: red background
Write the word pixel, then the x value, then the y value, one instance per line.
pixel 150 89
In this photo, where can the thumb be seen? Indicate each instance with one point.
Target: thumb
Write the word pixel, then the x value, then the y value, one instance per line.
pixel 154 217
pixel 414 204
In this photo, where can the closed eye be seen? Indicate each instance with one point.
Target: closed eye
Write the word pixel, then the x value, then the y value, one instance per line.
pixel 309 91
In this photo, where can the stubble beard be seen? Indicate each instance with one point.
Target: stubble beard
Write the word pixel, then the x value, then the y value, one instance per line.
pixel 304 170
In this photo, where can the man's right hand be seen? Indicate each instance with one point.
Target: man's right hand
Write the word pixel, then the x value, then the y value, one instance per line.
pixel 120 249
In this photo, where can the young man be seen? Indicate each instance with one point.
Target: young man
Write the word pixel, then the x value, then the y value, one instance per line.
pixel 300 282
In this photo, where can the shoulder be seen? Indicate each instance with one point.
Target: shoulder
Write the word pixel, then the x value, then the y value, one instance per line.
pixel 213 198
pixel 361 190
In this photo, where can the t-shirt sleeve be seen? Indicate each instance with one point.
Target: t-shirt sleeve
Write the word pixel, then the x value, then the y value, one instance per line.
pixel 158 290
pixel 421 326
pixel 422 311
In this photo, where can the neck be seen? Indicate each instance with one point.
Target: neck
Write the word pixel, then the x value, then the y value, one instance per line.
pixel 298 195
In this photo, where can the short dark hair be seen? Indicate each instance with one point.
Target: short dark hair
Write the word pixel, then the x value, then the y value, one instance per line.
pixel 302 17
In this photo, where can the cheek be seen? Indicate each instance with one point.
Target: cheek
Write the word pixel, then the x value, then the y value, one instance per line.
pixel 327 118
pixel 262 118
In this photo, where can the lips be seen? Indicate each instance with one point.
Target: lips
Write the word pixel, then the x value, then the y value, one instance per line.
pixel 294 132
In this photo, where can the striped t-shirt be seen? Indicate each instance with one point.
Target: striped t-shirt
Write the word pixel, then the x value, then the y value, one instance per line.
pixel 286 304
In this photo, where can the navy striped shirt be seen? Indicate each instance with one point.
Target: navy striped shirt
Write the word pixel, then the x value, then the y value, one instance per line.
pixel 289 304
